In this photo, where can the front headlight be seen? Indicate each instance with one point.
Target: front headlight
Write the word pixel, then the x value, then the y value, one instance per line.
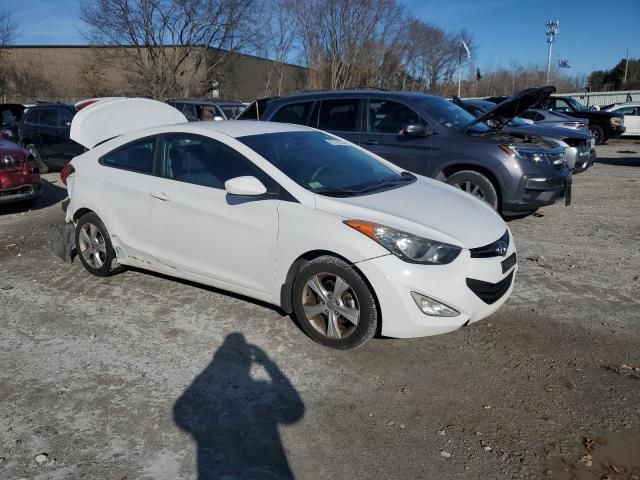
pixel 549 156
pixel 410 248
pixel 616 121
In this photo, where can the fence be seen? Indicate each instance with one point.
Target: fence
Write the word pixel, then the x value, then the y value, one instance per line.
pixel 604 98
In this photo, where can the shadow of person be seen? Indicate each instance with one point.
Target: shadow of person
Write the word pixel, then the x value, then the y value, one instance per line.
pixel 234 418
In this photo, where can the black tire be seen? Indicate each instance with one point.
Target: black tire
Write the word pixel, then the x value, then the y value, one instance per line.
pixel 33 150
pixel 108 264
pixel 358 295
pixel 467 180
pixel 598 134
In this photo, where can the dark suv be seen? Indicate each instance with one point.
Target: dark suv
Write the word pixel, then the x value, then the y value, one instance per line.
pixel 431 136
pixel 44 133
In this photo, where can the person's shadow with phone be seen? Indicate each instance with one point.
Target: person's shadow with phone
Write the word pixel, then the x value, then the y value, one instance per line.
pixel 234 418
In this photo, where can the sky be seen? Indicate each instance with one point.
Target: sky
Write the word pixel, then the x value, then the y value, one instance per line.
pixel 594 34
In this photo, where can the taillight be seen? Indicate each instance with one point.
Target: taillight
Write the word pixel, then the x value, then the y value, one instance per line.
pixel 66 171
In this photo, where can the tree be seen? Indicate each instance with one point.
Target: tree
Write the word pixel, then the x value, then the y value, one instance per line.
pixel 8 34
pixel 276 40
pixel 165 44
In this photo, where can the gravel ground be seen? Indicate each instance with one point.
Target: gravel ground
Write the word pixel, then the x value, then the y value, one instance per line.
pixel 143 377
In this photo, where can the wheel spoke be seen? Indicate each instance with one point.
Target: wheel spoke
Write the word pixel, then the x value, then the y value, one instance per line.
pixel 467 187
pixel 101 247
pixel 315 285
pixel 333 330
pixel 93 232
pixel 85 235
pixel 340 287
pixel 87 255
pixel 475 190
pixel 351 314
pixel 99 262
pixel 312 311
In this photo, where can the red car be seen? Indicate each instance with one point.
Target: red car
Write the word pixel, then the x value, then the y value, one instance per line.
pixel 19 174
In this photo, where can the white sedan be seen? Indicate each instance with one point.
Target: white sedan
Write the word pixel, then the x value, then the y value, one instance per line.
pixel 347 242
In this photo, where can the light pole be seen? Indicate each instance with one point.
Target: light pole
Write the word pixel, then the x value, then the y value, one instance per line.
pixel 552 30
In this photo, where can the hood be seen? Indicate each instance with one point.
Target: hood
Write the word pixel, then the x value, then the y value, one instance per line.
pixel 428 208
pixel 110 118
pixel 515 105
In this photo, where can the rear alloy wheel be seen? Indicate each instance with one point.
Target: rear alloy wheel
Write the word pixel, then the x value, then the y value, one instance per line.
pixel 94 247
pixel 333 304
pixel 598 134
pixel 475 184
pixel 35 153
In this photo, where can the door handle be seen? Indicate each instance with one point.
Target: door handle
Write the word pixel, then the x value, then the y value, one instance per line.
pixel 159 196
pixel 371 142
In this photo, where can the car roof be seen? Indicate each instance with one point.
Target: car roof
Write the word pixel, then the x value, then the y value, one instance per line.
pixel 243 128
pixel 359 92
pixel 204 101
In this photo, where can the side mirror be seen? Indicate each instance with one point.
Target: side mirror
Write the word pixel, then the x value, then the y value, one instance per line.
pixel 416 130
pixel 245 187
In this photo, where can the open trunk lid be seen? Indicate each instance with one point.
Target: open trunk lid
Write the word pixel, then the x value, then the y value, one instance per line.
pixel 109 118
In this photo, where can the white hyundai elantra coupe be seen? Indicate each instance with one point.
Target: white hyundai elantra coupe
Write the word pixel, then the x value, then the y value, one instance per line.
pixel 348 243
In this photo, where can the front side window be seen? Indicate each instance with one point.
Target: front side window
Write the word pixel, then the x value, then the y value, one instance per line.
pixel 49 117
pixel 137 157
pixel 203 161
pixel 32 117
pixel 386 116
pixel 629 110
pixel 295 113
pixel 449 115
pixel 339 115
pixel 65 117
pixel 324 164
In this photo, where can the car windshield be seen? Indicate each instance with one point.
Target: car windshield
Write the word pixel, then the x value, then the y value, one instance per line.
pixel 576 104
pixel 324 164
pixel 231 111
pixel 450 115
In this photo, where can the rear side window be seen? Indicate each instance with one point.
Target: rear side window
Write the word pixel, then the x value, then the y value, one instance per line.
pixel 204 161
pixel 137 156
pixel 387 116
pixel 341 115
pixel 293 113
pixel 32 117
pixel 65 117
pixel 49 117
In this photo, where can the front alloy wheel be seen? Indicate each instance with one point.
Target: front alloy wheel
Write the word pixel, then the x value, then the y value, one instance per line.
pixel 333 304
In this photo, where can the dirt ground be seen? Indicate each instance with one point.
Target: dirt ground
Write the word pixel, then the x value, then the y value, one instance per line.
pixel 143 377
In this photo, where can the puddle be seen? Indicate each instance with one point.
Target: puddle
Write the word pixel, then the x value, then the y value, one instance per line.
pixel 613 456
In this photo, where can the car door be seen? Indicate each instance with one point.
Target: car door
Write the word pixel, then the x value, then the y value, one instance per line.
pixel 631 120
pixel 48 138
pixel 202 230
pixel 385 120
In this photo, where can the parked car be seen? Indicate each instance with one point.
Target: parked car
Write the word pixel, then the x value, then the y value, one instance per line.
pixel 603 125
pixel 19 175
pixel 10 116
pixel 631 112
pixel 578 144
pixel 44 133
pixel 223 203
pixel 203 110
pixel 430 136
pixel 547 118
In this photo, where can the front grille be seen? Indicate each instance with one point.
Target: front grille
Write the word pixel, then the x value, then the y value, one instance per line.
pixel 492 249
pixel 490 292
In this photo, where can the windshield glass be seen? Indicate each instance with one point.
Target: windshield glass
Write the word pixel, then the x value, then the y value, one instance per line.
pixel 450 115
pixel 231 111
pixel 324 164
pixel 576 104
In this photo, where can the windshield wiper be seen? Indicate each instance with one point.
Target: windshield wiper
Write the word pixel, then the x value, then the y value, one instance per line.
pixel 405 177
pixel 335 191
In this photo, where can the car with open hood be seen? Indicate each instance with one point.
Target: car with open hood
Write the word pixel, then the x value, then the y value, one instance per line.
pixel 19 175
pixel 344 240
pixel 514 173
pixel 578 144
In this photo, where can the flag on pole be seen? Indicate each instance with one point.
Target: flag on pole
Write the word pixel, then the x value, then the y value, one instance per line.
pixel 563 63
pixel 478 76
pixel 466 47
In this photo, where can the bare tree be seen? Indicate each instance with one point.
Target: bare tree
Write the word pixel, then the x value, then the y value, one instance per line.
pixel 169 47
pixel 8 34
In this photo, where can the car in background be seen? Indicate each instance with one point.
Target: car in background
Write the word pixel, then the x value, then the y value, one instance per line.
pixel 222 203
pixel 44 133
pixel 603 125
pixel 547 118
pixel 206 110
pixel 513 172
pixel 631 112
pixel 10 116
pixel 19 175
pixel 578 144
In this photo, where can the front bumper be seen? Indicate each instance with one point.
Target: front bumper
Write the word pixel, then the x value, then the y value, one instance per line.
pixel 393 280
pixel 539 190
pixel 584 162
pixel 20 194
